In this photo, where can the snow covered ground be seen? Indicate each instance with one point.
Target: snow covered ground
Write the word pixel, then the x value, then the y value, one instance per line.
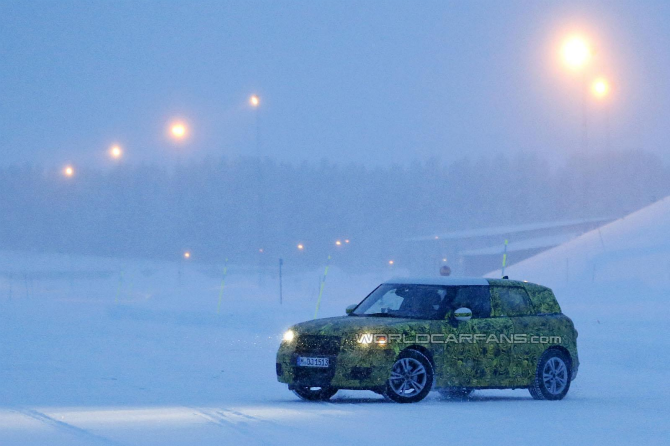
pixel 98 351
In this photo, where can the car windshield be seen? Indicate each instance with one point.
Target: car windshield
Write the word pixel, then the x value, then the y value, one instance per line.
pixel 405 301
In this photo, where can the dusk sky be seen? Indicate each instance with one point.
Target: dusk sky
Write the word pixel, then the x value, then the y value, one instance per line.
pixel 365 82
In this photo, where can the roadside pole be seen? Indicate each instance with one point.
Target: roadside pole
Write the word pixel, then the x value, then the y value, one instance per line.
pixel 323 283
pixel 504 259
pixel 281 262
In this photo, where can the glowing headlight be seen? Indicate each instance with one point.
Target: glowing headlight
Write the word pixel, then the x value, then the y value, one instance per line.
pixel 288 336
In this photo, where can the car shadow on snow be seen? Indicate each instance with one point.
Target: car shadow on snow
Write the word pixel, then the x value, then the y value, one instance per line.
pixel 475 398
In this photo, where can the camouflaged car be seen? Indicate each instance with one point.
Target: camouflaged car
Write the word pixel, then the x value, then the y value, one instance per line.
pixel 410 336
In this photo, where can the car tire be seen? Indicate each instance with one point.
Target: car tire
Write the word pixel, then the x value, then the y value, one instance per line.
pixel 552 376
pixel 315 394
pixel 411 378
pixel 455 393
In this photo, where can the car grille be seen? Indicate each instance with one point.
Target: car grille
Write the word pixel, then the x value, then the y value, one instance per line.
pixel 318 345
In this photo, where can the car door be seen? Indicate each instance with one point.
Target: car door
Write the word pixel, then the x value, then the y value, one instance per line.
pixel 513 303
pixel 473 356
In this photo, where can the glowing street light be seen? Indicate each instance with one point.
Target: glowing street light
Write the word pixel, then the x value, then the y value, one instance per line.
pixel 178 130
pixel 68 171
pixel 346 241
pixel 338 243
pixel 187 255
pixel 254 100
pixel 300 246
pixel 391 262
pixel 115 152
pixel 576 52
pixel 600 88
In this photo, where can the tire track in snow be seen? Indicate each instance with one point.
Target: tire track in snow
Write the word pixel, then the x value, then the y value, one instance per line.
pixel 260 430
pixel 223 419
pixel 63 426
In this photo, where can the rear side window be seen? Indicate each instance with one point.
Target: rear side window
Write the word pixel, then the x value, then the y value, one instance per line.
pixel 514 301
pixel 476 298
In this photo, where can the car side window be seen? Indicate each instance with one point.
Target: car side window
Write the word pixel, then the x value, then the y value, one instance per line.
pixel 514 301
pixel 476 298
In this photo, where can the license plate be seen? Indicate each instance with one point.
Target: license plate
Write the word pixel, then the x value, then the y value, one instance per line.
pixel 313 362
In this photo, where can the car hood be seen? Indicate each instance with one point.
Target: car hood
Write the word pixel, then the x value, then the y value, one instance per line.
pixel 346 325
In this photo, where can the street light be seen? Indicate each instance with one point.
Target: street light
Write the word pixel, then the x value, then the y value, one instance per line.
pixel 178 130
pixel 68 171
pixel 254 100
pixel 338 243
pixel 576 52
pixel 300 247
pixel 600 88
pixel 187 255
pixel 115 152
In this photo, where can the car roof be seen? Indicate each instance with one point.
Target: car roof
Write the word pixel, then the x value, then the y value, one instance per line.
pixel 440 280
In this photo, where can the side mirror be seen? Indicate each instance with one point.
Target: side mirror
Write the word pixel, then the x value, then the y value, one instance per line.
pixel 463 314
pixel 350 309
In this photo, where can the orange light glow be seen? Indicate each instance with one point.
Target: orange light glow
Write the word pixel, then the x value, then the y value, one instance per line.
pixel 576 52
pixel 600 88
pixel 301 246
pixel 178 130
pixel 254 100
pixel 187 255
pixel 68 171
pixel 115 152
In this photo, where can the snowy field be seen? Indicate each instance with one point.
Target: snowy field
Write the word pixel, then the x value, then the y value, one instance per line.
pixel 97 351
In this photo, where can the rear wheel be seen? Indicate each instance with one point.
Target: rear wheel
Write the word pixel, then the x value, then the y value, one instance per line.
pixel 411 378
pixel 315 393
pixel 552 376
pixel 455 393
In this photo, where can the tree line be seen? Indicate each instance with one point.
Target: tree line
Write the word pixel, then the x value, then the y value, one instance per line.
pixel 233 208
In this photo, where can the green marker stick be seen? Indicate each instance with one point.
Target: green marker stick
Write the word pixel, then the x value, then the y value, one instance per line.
pixel 323 282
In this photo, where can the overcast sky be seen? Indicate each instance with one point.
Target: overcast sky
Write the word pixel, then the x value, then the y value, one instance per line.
pixel 369 82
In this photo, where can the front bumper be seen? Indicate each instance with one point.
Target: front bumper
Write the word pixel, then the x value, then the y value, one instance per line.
pixel 351 368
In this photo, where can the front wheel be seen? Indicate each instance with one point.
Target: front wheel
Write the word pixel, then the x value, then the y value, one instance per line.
pixel 552 376
pixel 411 378
pixel 315 393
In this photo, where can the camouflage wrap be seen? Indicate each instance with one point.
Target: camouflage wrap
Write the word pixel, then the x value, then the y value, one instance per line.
pixel 476 363
pixel 543 298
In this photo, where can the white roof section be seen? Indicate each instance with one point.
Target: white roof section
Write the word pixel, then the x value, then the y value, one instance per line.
pixel 441 280
pixel 502 230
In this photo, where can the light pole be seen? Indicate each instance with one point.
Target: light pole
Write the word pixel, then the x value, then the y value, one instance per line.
pixel 601 90
pixel 255 102
pixel 576 53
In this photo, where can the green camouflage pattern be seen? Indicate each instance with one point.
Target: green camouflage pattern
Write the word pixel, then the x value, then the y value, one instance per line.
pixel 504 363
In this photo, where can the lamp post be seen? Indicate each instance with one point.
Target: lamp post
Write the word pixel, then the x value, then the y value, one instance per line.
pixel 255 101
pixel 577 53
pixel 601 90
